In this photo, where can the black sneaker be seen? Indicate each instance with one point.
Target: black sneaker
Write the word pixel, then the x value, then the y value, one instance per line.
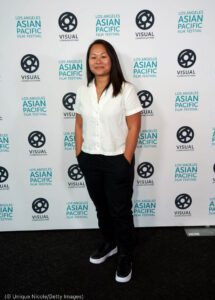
pixel 124 268
pixel 103 252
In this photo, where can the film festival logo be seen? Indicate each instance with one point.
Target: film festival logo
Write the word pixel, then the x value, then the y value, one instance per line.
pixel 78 210
pixel 211 206
pixel 145 67
pixel 40 207
pixel 186 172
pixel 37 140
pixel 40 176
pixel 68 103
pixel 3 178
pixel 185 135
pixel 145 170
pixel 76 175
pixel 145 20
pixel 144 208
pixel 190 21
pixel 28 27
pixel 186 59
pixel 68 23
pixel 146 100
pixel 6 212
pixel 34 106
pixel 30 64
pixel 4 142
pixel 183 202
pixel 108 25
pixel 187 101
pixel 69 141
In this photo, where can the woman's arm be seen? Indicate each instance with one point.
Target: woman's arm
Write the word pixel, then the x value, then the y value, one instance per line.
pixel 78 134
pixel 134 125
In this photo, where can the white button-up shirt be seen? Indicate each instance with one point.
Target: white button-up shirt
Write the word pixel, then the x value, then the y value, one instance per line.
pixel 104 122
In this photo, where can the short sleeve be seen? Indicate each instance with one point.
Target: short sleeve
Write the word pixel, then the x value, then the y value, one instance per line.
pixel 77 106
pixel 131 101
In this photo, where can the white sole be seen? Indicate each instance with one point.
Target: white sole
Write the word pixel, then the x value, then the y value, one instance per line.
pixel 102 259
pixel 123 279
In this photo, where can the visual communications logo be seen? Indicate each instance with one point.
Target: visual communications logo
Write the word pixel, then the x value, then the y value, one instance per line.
pixel 4 143
pixel 40 176
pixel 145 170
pixel 34 106
pixel 28 27
pixel 6 211
pixel 108 25
pixel 213 137
pixel 186 59
pixel 190 21
pixel 187 101
pixel 70 69
pixel 148 138
pixel 213 179
pixel 145 20
pixel 37 140
pixel 183 202
pixel 68 103
pixel 185 135
pixel 144 208
pixel 186 172
pixel 146 100
pixel 76 176
pixel 68 22
pixel 211 206
pixel 30 64
pixel 77 210
pixel 3 178
pixel 69 141
pixel 40 207
pixel 144 67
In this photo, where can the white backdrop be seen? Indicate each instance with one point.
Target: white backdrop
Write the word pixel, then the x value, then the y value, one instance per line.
pixel 166 49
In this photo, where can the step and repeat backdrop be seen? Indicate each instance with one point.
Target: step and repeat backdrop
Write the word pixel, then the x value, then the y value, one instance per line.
pixel 166 49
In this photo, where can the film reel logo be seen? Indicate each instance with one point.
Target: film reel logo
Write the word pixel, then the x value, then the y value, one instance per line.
pixel 145 170
pixel 185 134
pixel 30 63
pixel 75 172
pixel 40 205
pixel 186 58
pixel 36 139
pixel 67 21
pixel 145 98
pixel 3 174
pixel 183 201
pixel 214 168
pixel 145 19
pixel 69 101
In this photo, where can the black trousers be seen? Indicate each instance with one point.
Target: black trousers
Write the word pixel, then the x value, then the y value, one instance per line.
pixel 109 180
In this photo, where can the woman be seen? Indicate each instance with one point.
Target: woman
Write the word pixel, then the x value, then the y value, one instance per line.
pixel 106 131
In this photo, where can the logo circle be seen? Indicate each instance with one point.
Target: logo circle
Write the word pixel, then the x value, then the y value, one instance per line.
pixel 69 101
pixel 3 174
pixel 186 58
pixel 145 19
pixel 183 201
pixel 75 172
pixel 36 139
pixel 185 134
pixel 67 21
pixel 30 63
pixel 145 98
pixel 145 170
pixel 214 168
pixel 40 205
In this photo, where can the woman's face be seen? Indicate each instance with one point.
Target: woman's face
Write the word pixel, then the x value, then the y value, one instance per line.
pixel 99 60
